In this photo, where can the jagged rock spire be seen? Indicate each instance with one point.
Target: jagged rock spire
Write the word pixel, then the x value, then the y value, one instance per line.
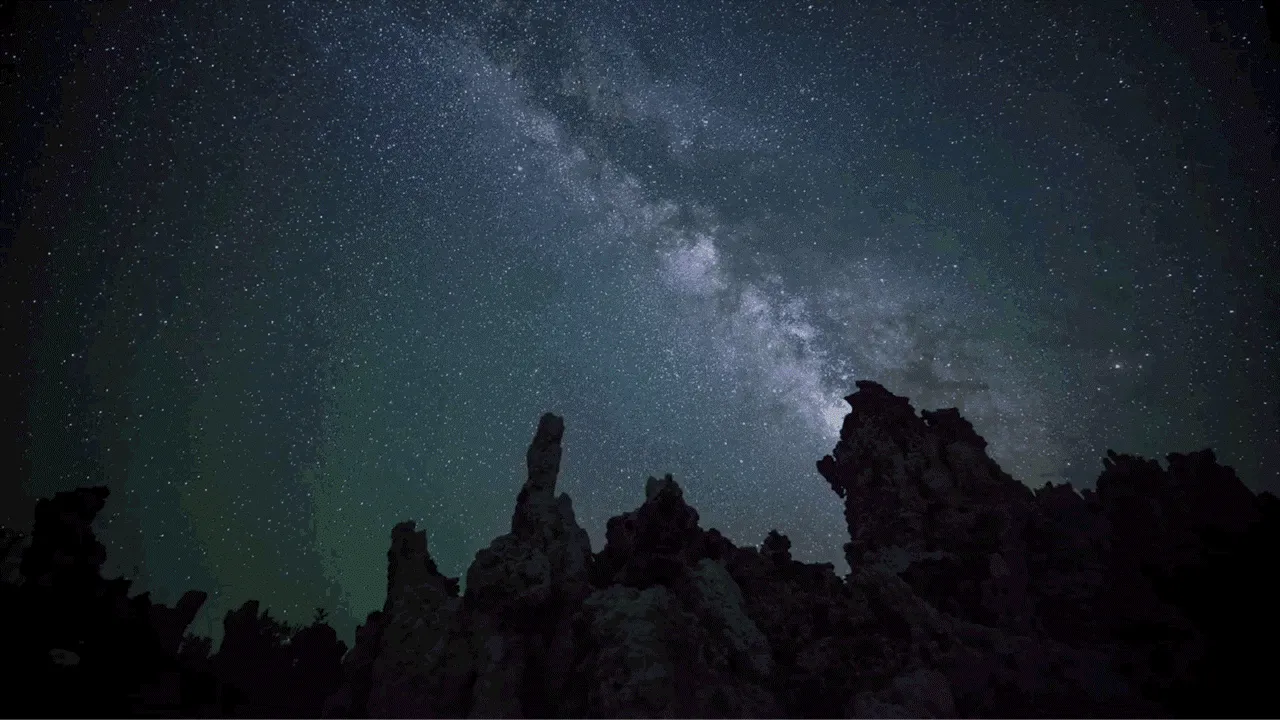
pixel 409 634
pixel 410 565
pixel 912 482
pixel 536 507
pixel 543 457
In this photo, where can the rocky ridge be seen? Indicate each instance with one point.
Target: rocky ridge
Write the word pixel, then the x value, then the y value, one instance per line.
pixel 969 595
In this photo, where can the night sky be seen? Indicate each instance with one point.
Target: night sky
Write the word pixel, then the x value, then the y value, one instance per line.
pixel 284 274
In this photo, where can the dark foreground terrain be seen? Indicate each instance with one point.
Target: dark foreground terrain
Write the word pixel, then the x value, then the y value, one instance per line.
pixel 970 595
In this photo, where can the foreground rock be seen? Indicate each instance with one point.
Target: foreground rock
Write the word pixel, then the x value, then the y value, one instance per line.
pixel 969 595
pixel 1053 601
pixel 76 644
pixel 538 634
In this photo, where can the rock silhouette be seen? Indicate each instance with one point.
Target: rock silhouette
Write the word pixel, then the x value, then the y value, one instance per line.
pixel 969 595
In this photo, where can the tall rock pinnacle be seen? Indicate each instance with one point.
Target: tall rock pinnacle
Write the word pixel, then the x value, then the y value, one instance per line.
pixel 536 504
pixel 543 457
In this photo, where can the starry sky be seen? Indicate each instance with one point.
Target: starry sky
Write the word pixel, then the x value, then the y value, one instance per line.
pixel 285 273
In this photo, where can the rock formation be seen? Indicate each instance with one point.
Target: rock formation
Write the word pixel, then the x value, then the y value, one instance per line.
pixel 77 644
pixel 1093 589
pixel 969 594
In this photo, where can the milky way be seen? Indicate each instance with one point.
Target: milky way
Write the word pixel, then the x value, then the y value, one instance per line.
pixel 326 264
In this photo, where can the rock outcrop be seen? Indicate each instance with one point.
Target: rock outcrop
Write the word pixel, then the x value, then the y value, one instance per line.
pixel 969 594
pixel 77 644
pixel 498 650
pixel 274 669
pixel 1088 592
pixel 667 632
